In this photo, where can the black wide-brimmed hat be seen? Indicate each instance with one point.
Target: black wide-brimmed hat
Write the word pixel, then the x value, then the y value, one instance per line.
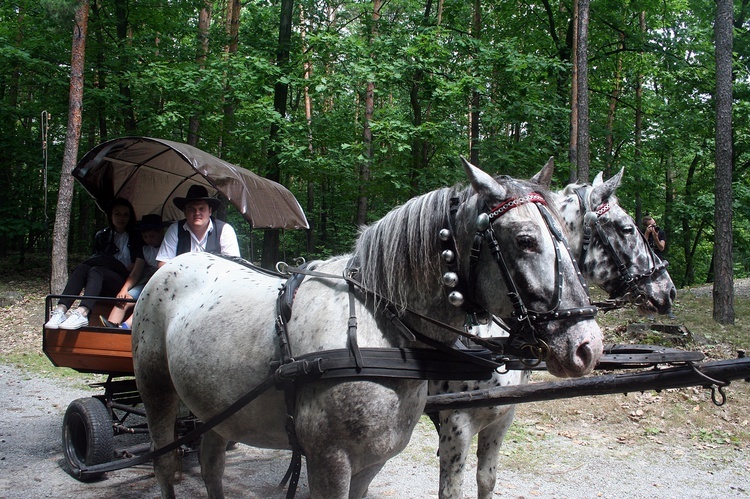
pixel 150 222
pixel 196 193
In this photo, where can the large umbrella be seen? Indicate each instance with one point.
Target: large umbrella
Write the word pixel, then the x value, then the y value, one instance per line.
pixel 151 172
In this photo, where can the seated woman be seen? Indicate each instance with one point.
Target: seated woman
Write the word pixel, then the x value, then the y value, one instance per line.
pixel 117 248
pixel 152 233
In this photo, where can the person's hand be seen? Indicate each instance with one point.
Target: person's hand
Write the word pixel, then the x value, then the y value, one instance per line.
pixel 123 295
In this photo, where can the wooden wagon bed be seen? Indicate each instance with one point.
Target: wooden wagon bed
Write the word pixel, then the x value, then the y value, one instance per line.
pixel 91 349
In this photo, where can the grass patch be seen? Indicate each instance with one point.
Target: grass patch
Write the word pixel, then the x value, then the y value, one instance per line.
pixel 37 365
pixel 716 437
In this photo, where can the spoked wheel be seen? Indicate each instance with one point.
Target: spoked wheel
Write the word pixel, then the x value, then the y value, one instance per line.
pixel 87 435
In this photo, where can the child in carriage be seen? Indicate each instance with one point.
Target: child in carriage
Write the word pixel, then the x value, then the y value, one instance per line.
pixel 152 232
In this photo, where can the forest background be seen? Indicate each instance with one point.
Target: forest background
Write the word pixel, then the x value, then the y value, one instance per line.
pixel 357 106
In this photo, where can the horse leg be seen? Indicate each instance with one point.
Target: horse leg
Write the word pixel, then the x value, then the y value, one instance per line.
pixel 488 448
pixel 361 481
pixel 212 458
pixel 455 442
pixel 161 413
pixel 329 475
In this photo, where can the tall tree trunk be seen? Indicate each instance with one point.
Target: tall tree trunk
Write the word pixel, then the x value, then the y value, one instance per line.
pixel 476 27
pixel 281 92
pixel 100 107
pixel 307 73
pixel 573 141
pixel 59 274
pixel 639 125
pixel 723 290
pixel 365 171
pixel 232 28
pixel 668 222
pixel 419 145
pixel 614 97
pixel 204 24
pixel 583 154
pixel 127 111
pixel 688 243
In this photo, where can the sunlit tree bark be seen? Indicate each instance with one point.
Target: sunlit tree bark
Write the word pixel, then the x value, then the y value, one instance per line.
pixel 59 274
pixel 582 79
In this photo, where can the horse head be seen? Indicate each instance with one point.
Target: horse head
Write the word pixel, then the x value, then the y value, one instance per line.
pixel 611 251
pixel 519 269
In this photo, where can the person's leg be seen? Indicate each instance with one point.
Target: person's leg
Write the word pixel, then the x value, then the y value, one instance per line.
pixel 74 286
pixel 100 281
pixel 121 311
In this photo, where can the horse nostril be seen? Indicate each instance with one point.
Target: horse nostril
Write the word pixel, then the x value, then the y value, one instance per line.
pixel 585 354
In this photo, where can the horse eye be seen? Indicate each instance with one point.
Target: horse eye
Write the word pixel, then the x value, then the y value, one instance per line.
pixel 526 242
pixel 628 229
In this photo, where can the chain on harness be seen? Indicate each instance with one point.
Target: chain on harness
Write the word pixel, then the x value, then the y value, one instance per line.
pixel 523 321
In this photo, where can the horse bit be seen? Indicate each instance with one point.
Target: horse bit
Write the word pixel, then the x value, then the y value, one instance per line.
pixel 523 321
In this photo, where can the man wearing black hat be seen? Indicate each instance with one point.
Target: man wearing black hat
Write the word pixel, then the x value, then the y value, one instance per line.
pixel 199 231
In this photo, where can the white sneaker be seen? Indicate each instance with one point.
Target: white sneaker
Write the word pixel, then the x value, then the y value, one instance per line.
pixel 57 317
pixel 75 320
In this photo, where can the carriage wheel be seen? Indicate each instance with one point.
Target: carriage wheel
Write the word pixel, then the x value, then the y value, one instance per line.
pixel 87 435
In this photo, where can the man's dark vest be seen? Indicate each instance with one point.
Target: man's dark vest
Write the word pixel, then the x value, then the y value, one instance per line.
pixel 213 242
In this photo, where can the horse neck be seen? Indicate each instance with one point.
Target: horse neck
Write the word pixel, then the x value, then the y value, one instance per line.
pixel 400 262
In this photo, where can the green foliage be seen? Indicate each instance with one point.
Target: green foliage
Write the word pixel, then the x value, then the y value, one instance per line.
pixel 425 75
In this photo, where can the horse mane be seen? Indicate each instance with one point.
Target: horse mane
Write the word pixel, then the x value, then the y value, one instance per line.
pixel 399 253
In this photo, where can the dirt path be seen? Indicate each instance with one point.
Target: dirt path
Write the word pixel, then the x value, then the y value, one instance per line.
pixel 577 448
pixel 673 444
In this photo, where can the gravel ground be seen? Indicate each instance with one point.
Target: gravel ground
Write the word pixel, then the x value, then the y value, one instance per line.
pixel 577 458
pixel 673 444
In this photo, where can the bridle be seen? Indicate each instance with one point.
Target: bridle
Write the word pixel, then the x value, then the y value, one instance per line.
pixel 524 321
pixel 627 281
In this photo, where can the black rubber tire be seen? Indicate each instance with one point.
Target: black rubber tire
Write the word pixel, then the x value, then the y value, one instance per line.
pixel 87 436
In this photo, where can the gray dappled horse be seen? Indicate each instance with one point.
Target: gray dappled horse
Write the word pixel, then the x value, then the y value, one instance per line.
pixel 204 330
pixel 613 255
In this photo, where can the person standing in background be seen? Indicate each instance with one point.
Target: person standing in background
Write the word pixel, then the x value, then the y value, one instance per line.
pixel 656 237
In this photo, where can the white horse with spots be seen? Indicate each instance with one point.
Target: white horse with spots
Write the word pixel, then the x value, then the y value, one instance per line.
pixel 205 331
pixel 613 255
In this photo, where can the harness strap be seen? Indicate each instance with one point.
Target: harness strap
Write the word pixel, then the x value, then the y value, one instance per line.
pixel 389 363
pixel 351 331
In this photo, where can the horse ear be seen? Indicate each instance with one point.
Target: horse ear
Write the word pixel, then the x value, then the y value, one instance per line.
pixel 604 190
pixel 482 182
pixel 544 177
pixel 599 179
